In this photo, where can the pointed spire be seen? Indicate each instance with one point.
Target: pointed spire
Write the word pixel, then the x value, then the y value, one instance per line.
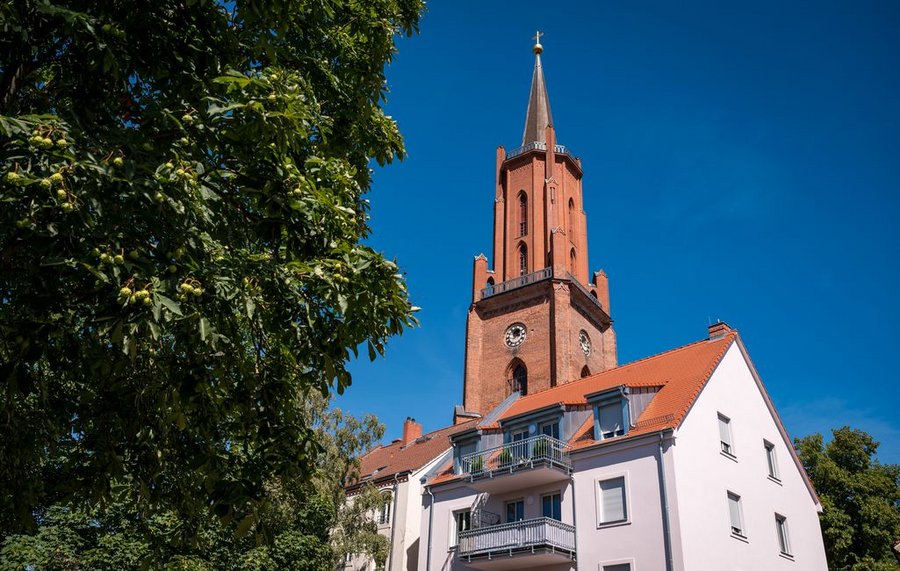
pixel 538 116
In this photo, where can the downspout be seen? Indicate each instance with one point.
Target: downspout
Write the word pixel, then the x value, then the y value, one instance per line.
pixel 665 500
pixel 575 533
pixel 390 558
pixel 430 520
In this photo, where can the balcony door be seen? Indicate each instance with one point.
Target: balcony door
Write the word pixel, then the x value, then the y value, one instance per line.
pixel 552 506
pixel 515 511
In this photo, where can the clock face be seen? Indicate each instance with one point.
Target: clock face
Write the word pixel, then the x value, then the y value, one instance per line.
pixel 585 342
pixel 515 335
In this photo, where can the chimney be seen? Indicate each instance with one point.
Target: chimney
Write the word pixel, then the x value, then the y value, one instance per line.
pixel 718 330
pixel 411 430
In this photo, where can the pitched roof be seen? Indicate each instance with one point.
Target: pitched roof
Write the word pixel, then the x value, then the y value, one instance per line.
pixel 384 462
pixel 680 374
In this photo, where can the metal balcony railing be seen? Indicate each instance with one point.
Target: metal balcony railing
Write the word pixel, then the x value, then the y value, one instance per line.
pixel 537 145
pixel 542 532
pixel 514 283
pixel 520 454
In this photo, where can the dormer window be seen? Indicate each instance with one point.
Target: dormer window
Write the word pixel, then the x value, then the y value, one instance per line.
pixel 611 417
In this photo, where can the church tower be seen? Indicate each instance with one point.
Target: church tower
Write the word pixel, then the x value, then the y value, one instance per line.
pixel 537 319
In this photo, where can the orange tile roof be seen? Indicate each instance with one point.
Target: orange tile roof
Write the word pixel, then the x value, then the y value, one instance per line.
pixel 395 458
pixel 680 373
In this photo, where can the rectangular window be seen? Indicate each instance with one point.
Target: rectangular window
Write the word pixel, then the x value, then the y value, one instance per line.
pixel 735 513
pixel 781 529
pixel 725 435
pixel 611 421
pixel 612 501
pixel 618 567
pixel 462 521
pixel 770 459
pixel 552 506
pixel 515 511
pixel 551 429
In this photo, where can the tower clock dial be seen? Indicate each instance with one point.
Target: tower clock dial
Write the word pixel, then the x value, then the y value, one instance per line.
pixel 585 342
pixel 515 335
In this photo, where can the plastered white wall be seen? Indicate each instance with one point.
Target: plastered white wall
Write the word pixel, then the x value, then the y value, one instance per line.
pixel 704 476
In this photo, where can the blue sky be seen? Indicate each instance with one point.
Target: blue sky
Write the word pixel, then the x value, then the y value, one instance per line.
pixel 742 163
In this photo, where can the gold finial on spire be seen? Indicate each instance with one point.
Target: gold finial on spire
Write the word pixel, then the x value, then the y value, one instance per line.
pixel 538 48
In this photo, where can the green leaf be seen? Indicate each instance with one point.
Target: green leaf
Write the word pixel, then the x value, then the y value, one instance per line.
pixel 169 304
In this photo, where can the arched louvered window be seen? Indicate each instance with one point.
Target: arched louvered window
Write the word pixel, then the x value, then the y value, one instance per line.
pixel 523 259
pixel 571 221
pixel 523 214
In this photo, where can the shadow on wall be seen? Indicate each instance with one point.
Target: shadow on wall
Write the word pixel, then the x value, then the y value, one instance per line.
pixel 412 556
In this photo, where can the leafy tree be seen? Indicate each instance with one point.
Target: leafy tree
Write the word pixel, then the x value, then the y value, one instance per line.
pixel 180 242
pixel 860 496
pixel 310 525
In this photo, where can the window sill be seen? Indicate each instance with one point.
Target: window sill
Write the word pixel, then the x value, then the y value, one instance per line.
pixel 731 457
pixel 776 480
pixel 740 537
pixel 613 524
pixel 787 556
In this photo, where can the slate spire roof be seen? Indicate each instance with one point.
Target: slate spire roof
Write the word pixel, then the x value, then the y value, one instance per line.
pixel 538 116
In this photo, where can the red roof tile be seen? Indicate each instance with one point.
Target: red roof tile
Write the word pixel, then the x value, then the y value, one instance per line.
pixel 680 373
pixel 395 458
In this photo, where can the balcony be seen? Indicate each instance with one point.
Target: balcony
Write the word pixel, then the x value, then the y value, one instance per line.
pixel 517 545
pixel 518 282
pixel 522 464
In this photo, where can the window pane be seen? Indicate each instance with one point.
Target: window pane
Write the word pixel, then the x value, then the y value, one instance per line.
pixel 612 500
pixel 611 420
pixel 770 458
pixel 551 430
pixel 781 528
pixel 515 511
pixel 725 434
pixel 619 567
pixel 552 506
pixel 734 512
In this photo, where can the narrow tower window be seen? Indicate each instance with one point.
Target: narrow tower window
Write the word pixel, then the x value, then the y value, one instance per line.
pixel 572 221
pixel 585 371
pixel 523 259
pixel 520 379
pixel 572 261
pixel 523 214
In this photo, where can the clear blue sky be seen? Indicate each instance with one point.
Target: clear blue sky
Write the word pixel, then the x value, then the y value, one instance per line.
pixel 741 162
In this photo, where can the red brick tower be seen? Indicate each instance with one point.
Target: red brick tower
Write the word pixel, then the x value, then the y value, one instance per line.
pixel 535 319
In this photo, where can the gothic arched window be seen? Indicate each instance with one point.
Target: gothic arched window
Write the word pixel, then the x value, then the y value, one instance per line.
pixel 572 268
pixel 572 221
pixel 520 379
pixel 523 214
pixel 585 371
pixel 523 259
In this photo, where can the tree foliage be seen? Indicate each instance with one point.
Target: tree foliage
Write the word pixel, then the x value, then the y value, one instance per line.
pixel 181 257
pixel 310 526
pixel 860 496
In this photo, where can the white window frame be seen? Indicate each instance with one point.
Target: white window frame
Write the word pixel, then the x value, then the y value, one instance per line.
pixel 454 523
pixel 771 460
pixel 384 514
pixel 726 436
pixel 741 528
pixel 598 496
pixel 783 534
